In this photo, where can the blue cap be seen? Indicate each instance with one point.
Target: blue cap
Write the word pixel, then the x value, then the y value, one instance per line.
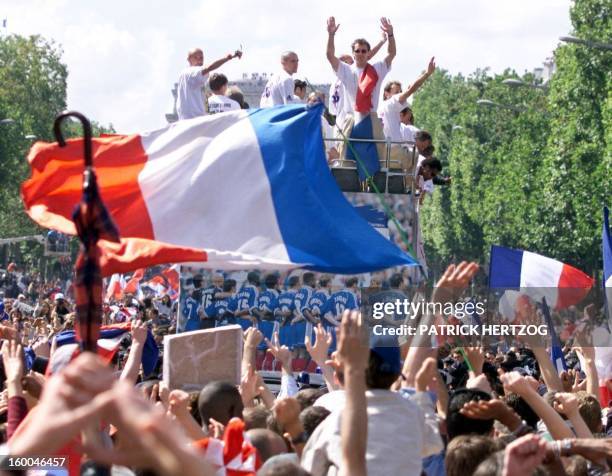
pixel 387 348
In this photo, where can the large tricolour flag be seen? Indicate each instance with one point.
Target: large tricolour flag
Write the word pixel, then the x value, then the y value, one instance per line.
pixel 243 189
pixel 538 276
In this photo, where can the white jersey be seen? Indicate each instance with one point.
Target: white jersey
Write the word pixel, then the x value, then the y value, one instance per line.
pixel 339 104
pixel 218 103
pixel 189 97
pixel 350 75
pixel 389 112
pixel 408 132
pixel 278 91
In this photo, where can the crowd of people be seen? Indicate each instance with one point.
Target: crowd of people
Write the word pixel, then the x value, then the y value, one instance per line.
pixel 354 108
pixel 385 408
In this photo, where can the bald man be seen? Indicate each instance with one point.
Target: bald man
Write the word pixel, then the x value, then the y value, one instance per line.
pixel 190 101
pixel 280 88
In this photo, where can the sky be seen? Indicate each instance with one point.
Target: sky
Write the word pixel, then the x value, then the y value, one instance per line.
pixel 124 56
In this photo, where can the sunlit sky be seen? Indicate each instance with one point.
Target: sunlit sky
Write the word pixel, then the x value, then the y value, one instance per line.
pixel 124 56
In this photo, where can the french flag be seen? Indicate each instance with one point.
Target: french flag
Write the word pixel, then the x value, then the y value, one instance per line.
pixel 238 190
pixel 108 345
pixel 538 276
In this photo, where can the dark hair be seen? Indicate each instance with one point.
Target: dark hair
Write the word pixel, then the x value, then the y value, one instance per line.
pixel 423 136
pixel 351 282
pixel 375 377
pixel 255 417
pixel 458 424
pixel 522 409
pixel 298 83
pixel 466 452
pixel 271 280
pixel 360 41
pixel 311 417
pixel 323 282
pixel 221 401
pixel 307 396
pixel 433 164
pixel 395 281
pixel 428 151
pixel 239 98
pixel 390 84
pixel 217 81
pixel 293 280
pixel 228 284
pixel 309 279
pixel 253 278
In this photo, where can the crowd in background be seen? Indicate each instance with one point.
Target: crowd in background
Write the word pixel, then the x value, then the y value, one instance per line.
pixel 405 409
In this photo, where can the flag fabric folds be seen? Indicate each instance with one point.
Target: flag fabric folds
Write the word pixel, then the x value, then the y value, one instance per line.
pixel 108 345
pixel 538 276
pixel 556 350
pixel 242 189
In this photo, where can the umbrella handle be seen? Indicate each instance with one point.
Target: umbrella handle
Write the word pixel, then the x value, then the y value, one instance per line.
pixel 57 131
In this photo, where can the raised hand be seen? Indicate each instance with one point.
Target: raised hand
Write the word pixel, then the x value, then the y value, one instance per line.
pixel 139 332
pixel 353 350
pixel 523 455
pixel 12 358
pixel 566 403
pixel 320 349
pixel 385 26
pixel 454 281
pixel 332 28
pixel 280 352
pixel 431 67
pixel 516 383
pixel 427 375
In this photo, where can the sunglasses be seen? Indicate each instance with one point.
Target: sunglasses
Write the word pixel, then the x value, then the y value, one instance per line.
pixel 360 51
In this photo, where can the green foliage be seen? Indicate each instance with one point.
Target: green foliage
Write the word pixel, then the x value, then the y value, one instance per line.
pixel 534 178
pixel 32 92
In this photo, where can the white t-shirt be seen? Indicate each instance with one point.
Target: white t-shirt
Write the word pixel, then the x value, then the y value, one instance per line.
pixel 426 185
pixel 408 132
pixel 350 75
pixel 278 91
pixel 189 97
pixel 390 113
pixel 339 104
pixel 218 103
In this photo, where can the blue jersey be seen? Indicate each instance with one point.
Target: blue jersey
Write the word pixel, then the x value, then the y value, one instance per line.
pixel 342 300
pixel 190 312
pixel 267 301
pixel 246 298
pixel 221 309
pixel 208 296
pixel 302 298
pixel 317 304
pixel 286 302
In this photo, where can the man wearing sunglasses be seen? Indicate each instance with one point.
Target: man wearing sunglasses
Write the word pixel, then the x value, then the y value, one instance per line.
pixel 362 82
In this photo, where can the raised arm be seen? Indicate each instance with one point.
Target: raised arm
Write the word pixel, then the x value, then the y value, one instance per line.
pixel 353 353
pixel 377 47
pixel 332 28
pixel 220 62
pixel 386 26
pixel 414 87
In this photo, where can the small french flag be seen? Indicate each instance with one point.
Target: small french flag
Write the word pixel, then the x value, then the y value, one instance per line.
pixel 538 276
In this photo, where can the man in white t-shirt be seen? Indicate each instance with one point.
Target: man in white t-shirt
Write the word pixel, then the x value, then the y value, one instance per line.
pixel 189 100
pixel 339 105
pixel 407 128
pixel 362 82
pixel 395 100
pixel 280 88
pixel 218 101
